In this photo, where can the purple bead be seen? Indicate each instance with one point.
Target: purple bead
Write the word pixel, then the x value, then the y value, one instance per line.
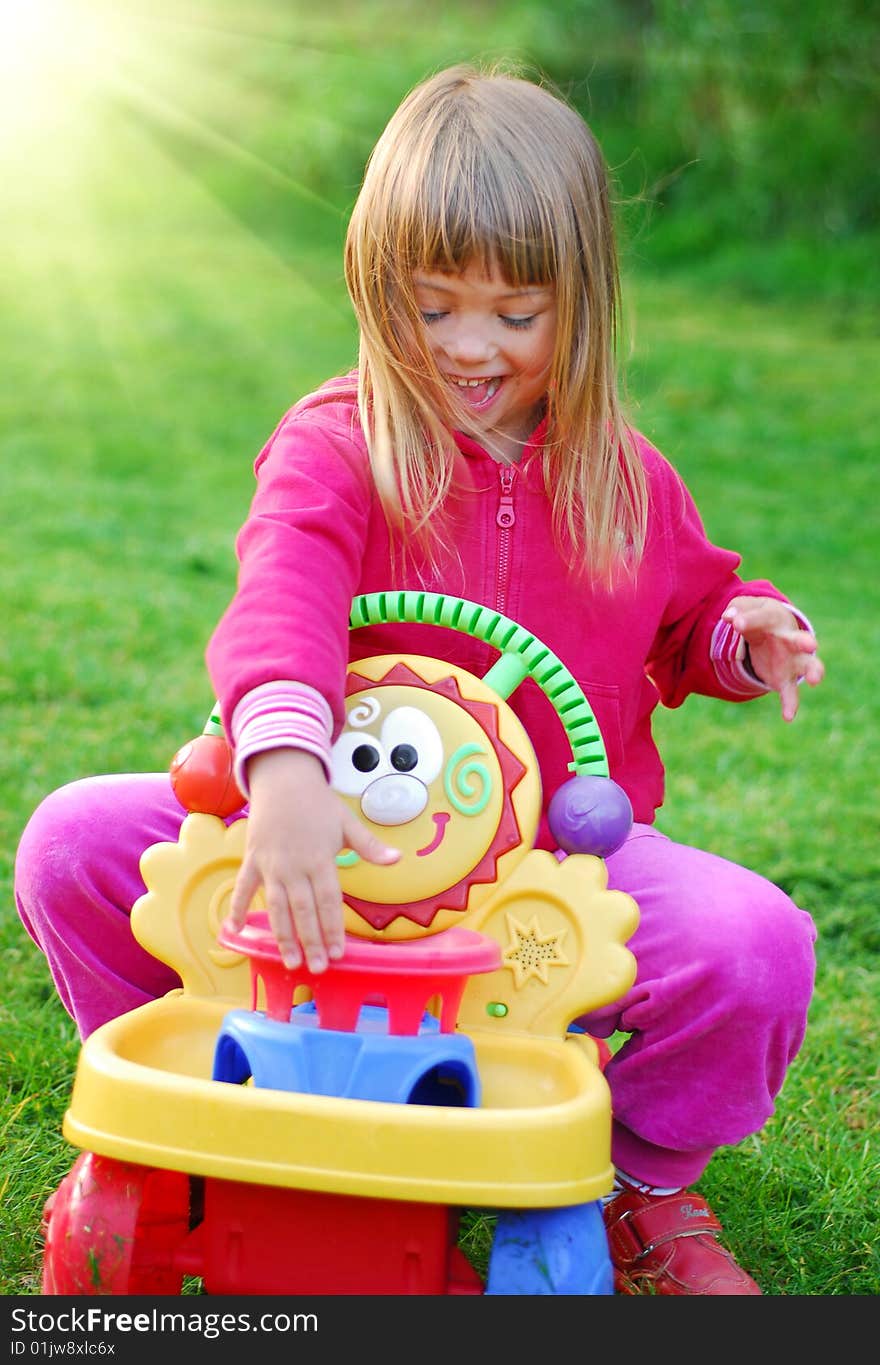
pixel 590 815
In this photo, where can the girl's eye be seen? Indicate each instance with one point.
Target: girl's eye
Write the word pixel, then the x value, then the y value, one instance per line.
pixel 518 322
pixel 429 317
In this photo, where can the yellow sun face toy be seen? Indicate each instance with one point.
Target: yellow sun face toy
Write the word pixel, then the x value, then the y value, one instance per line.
pixel 438 765
pixel 435 763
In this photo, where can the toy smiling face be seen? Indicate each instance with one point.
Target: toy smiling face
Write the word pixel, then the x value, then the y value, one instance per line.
pixel 437 765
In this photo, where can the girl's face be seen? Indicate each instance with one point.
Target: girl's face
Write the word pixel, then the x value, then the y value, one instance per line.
pixel 494 344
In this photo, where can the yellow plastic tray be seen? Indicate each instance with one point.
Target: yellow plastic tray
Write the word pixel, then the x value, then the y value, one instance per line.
pixel 143 1093
pixel 143 1090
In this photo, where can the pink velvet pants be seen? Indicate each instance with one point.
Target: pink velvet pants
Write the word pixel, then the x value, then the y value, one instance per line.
pixel 716 1015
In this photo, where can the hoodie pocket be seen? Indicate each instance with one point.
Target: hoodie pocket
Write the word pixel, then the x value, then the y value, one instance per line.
pixel 604 699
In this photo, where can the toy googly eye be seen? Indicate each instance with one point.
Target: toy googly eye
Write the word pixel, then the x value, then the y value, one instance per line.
pixel 404 758
pixel 413 744
pixel 356 760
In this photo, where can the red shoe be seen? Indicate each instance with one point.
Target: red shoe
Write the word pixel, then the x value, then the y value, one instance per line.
pixel 668 1244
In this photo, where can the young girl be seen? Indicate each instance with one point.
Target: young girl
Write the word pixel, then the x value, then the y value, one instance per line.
pixel 479 450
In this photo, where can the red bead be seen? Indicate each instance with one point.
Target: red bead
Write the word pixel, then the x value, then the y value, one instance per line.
pixel 201 775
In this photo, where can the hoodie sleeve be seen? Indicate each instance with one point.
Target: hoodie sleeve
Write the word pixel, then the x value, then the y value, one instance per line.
pixel 300 553
pixel 702 579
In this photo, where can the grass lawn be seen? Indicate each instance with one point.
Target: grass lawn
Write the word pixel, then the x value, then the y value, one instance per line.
pixel 158 320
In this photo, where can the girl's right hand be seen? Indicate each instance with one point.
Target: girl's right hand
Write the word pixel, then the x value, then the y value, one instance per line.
pixel 296 826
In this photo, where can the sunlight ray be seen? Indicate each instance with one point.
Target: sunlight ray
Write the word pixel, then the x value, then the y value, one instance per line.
pixel 237 29
pixel 164 110
pixel 159 111
pixel 157 307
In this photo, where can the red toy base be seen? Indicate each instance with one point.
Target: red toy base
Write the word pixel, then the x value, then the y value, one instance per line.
pixel 116 1228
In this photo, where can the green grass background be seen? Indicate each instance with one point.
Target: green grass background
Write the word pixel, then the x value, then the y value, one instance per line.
pixel 175 187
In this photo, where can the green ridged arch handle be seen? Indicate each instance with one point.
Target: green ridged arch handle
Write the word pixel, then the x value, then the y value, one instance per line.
pixel 522 656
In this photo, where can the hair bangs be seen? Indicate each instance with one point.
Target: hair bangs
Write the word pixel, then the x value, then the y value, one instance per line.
pixel 469 207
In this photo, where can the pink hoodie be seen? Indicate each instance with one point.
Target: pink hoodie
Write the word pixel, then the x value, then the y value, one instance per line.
pixel 316 536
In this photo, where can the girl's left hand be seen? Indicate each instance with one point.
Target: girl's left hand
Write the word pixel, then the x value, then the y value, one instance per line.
pixel 780 653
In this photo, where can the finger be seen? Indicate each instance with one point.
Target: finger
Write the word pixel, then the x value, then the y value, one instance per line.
pixel 788 695
pixel 800 641
pixel 359 838
pixel 308 928
pixel 756 615
pixel 807 668
pixel 328 903
pixel 733 615
pixel 281 921
pixel 752 614
pixel 814 672
pixel 246 887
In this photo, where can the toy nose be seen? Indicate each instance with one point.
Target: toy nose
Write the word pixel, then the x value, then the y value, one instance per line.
pixel 394 799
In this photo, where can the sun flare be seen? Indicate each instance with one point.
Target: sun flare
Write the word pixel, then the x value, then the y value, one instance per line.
pixel 27 29
pixel 52 52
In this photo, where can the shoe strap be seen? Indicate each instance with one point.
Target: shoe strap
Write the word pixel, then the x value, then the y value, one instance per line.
pixel 639 1228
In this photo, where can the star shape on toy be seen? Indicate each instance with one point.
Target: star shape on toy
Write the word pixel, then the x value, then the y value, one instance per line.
pixel 529 952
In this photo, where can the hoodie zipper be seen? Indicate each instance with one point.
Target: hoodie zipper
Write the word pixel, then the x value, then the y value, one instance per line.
pixel 506 520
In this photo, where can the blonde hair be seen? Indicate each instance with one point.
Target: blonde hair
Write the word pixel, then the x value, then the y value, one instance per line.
pixel 485 166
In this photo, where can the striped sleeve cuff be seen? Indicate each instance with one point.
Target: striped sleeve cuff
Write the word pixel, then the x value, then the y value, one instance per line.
pixel 280 715
pixel 730 658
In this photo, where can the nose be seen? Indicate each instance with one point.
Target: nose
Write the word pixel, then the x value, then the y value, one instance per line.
pixel 394 799
pixel 469 344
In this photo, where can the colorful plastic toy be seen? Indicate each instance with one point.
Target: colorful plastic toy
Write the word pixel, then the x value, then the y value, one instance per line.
pixel 271 1131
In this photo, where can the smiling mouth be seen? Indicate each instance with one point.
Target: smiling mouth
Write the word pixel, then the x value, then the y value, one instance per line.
pixel 476 393
pixel 441 820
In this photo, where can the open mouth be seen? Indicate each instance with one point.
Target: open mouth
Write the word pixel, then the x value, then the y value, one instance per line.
pixel 441 820
pixel 476 393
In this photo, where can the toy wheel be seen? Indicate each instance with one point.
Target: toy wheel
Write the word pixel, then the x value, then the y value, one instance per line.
pixel 112 1228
